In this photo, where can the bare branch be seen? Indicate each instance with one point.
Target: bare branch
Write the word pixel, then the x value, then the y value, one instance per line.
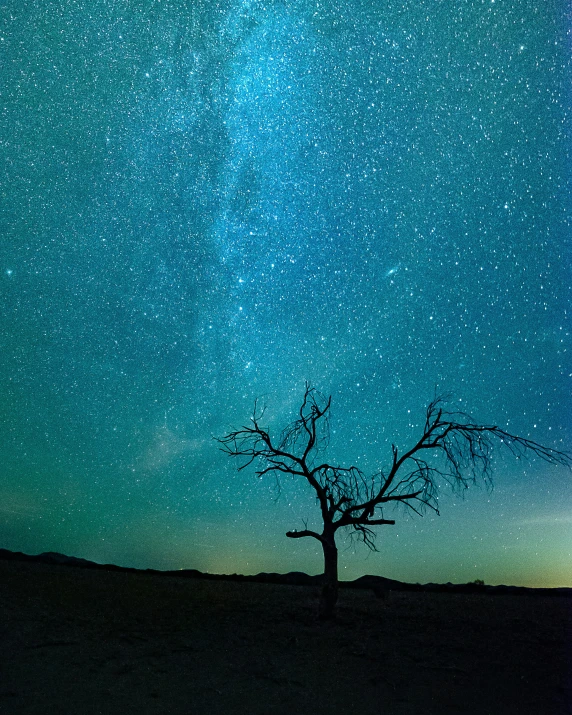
pixel 302 534
pixel 452 451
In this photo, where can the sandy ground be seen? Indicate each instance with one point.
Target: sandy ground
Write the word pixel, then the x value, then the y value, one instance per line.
pixel 82 641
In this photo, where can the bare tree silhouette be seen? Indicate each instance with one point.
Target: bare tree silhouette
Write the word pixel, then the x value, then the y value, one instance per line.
pixel 452 450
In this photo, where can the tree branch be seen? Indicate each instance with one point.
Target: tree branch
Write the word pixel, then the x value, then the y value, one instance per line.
pixel 302 534
pixel 346 496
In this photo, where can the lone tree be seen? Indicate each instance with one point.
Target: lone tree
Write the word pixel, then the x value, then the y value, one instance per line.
pixel 451 450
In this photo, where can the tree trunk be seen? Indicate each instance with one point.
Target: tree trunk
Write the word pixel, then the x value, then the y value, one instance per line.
pixel 329 596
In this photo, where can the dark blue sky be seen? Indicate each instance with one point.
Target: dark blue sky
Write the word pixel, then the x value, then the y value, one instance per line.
pixel 204 203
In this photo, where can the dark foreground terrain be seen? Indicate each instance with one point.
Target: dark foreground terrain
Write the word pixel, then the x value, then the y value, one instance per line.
pixel 75 640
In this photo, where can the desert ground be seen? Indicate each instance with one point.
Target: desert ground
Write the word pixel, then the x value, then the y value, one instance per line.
pixel 75 640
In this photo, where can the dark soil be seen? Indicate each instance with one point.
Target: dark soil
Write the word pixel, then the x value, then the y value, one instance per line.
pixel 75 640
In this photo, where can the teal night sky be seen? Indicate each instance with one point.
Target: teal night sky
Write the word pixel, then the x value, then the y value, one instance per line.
pixel 207 202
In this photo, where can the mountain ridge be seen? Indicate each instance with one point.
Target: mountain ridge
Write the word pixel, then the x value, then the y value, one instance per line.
pixel 379 584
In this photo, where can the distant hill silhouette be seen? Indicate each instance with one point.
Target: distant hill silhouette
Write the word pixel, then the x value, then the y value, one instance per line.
pixel 378 584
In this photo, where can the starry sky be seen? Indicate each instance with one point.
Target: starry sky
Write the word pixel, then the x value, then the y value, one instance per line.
pixel 207 202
